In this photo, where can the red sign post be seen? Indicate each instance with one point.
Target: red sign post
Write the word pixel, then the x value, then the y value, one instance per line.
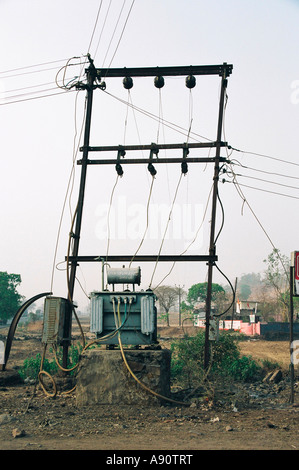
pixel 295 265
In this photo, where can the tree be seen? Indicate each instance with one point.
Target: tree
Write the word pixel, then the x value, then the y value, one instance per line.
pixel 167 298
pixel 10 299
pixel 247 284
pixel 276 276
pixel 198 292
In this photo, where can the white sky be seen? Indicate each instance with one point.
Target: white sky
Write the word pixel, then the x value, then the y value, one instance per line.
pixel 260 39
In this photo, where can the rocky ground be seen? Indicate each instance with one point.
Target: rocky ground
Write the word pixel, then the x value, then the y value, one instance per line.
pixel 239 417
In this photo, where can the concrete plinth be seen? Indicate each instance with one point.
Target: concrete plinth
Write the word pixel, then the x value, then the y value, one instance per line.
pixel 103 377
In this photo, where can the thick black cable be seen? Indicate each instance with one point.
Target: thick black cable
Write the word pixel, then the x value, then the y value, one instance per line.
pixel 233 291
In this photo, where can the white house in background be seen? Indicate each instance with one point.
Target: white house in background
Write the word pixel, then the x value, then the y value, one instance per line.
pixel 246 305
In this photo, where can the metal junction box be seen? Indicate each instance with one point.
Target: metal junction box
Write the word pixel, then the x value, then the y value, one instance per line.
pixel 55 309
pixel 137 317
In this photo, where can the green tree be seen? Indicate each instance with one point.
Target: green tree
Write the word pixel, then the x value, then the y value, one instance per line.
pixel 10 299
pixel 198 292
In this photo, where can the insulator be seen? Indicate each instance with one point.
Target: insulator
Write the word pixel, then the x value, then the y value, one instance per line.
pixel 119 169
pixel 190 81
pixel 184 167
pixel 152 169
pixel 128 83
pixel 159 82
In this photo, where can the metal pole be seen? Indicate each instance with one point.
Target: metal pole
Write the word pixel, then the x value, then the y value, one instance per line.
pixel 212 248
pixel 91 75
pixel 291 333
pixel 234 304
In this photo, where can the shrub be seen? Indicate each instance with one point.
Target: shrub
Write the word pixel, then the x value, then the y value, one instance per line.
pixel 187 364
pixel 31 367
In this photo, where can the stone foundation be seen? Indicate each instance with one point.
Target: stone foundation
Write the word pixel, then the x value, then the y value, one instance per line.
pixel 103 377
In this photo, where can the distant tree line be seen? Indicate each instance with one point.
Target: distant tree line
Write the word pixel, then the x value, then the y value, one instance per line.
pixel 271 289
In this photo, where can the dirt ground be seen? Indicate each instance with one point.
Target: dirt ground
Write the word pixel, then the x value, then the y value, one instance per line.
pixel 240 417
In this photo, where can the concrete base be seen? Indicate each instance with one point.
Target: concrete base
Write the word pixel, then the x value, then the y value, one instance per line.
pixel 103 377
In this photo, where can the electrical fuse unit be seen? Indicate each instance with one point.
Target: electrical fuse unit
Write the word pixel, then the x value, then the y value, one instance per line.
pixel 55 309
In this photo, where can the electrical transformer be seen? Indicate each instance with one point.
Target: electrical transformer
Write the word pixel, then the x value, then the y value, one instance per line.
pixel 129 313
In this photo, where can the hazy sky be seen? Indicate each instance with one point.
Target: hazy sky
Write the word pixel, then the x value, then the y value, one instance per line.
pixel 38 134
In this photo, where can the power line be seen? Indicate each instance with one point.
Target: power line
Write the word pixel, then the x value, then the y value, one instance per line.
pixel 32 66
pixel 245 201
pixel 34 98
pixel 118 19
pixel 102 30
pixel 263 190
pixel 34 71
pixel 263 155
pixel 122 32
pixel 195 136
pixel 264 171
pixel 268 181
pixel 95 25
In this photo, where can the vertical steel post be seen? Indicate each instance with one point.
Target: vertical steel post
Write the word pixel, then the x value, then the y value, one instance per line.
pixel 212 247
pixel 90 75
pixel 291 333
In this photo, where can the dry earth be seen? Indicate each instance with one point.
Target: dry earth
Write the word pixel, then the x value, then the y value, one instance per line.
pixel 240 417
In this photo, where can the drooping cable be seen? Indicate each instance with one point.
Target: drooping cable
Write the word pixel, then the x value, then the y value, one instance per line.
pixel 69 185
pixel 179 129
pixel 147 222
pixel 233 292
pixel 108 216
pixel 245 201
pixel 191 243
pixel 166 228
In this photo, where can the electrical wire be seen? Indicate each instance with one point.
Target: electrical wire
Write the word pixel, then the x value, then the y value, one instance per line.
pixel 191 243
pixel 241 194
pixel 244 199
pixel 193 135
pixel 33 98
pixel 118 19
pixel 69 185
pixel 108 216
pixel 267 181
pixel 32 66
pixel 147 222
pixel 158 395
pixel 121 35
pixel 95 26
pixel 233 292
pixel 102 30
pixel 262 171
pixel 263 155
pixel 263 190
pixel 166 228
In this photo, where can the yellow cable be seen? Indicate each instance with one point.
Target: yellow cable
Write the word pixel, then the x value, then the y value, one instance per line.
pixel 132 373
pixel 117 323
pixel 43 372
